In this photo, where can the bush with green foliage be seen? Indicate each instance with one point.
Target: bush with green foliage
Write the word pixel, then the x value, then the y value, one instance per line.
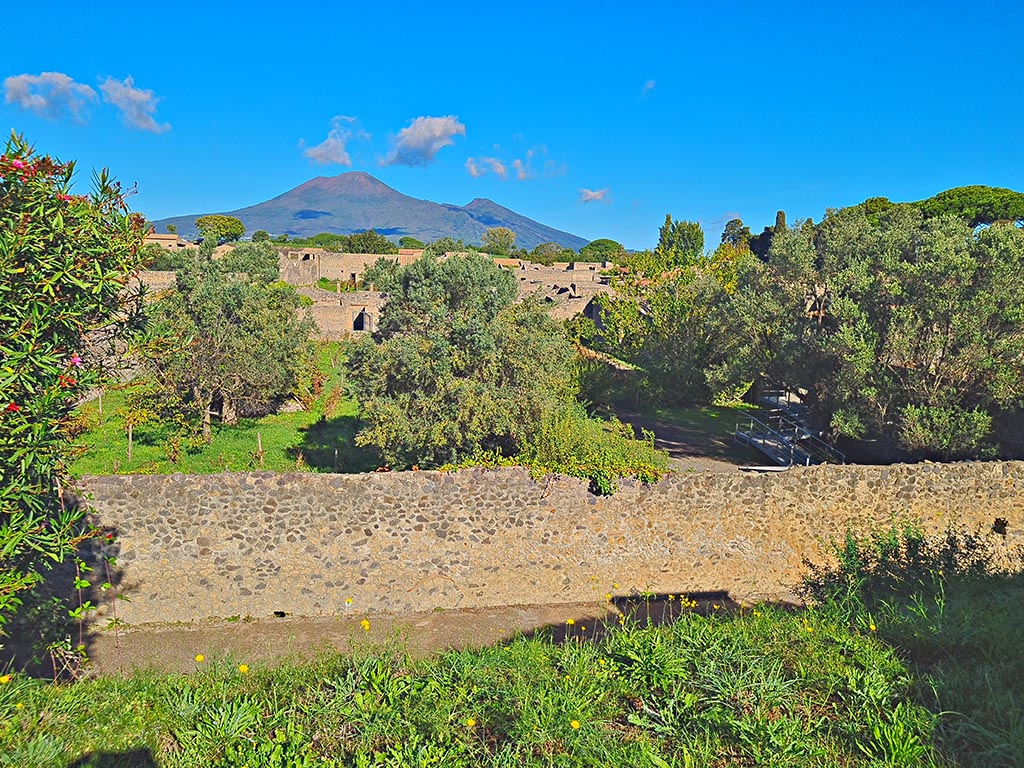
pixel 454 367
pixel 571 442
pixel 65 306
pixel 458 372
pixel 164 260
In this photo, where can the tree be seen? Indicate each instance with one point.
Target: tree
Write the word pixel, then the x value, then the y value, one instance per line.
pixel 901 327
pixel 410 242
pixel 172 229
pixel 219 228
pixel 736 233
pixel 760 244
pixel 549 253
pixel 499 241
pixel 65 305
pixel 976 205
pixel 445 245
pixel 455 367
pixel 670 315
pixel 679 243
pixel 603 250
pixel 370 242
pixel 228 340
pixel 260 236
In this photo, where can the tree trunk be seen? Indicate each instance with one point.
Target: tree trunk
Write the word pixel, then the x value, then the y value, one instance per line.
pixel 131 428
pixel 207 433
pixel 228 412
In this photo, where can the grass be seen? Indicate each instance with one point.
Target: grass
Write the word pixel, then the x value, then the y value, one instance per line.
pixel 318 438
pixel 752 689
pixel 900 661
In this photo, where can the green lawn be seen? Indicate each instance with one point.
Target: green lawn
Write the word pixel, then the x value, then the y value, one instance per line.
pixel 320 438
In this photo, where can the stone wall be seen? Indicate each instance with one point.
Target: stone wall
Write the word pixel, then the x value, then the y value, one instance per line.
pixel 254 543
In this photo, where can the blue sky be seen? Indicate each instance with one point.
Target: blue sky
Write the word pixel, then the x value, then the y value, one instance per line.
pixel 595 118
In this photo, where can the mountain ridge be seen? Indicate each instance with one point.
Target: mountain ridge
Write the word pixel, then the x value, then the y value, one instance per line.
pixel 356 201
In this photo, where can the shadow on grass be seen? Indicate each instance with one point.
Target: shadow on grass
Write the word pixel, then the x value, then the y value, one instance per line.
pixel 133 758
pixel 328 445
pixel 644 610
pixel 44 638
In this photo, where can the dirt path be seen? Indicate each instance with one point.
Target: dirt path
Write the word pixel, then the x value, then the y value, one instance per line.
pixel 174 647
pixel 690 450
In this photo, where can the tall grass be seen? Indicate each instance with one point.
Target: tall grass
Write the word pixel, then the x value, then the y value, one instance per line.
pixel 951 605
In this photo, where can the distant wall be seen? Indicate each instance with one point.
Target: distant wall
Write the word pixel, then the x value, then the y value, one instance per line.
pixel 253 543
pixel 156 280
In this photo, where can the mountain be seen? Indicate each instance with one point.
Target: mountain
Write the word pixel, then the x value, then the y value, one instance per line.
pixel 355 201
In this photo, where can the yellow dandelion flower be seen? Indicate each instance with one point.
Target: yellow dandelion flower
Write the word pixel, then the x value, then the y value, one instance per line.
pixel 471 723
pixel 19 705
pixel 243 668
pixel 602 662
pixel 615 585
pixel 872 627
pixel 348 601
pixel 575 724
pixel 583 627
pixel 570 622
pixel 5 679
pixel 757 613
pixel 810 628
pixel 608 596
pixel 365 625
pixel 200 658
pixel 671 597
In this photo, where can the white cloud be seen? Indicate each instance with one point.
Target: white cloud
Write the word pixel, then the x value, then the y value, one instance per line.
pixel 50 94
pixel 522 167
pixel 423 139
pixel 523 171
pixel 137 105
pixel 478 166
pixel 333 148
pixel 648 87
pixel 592 195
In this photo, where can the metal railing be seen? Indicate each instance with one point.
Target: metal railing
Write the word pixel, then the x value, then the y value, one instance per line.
pixel 791 443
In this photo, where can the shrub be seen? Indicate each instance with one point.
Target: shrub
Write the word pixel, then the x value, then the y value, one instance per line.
pixel 64 309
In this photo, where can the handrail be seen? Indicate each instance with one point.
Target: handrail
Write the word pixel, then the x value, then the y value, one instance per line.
pixel 793 449
pixel 810 446
pixel 800 432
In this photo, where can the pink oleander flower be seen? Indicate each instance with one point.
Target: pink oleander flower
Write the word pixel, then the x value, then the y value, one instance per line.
pixel 19 164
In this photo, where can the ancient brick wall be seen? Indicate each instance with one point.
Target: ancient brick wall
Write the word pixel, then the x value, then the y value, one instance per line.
pixel 192 547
